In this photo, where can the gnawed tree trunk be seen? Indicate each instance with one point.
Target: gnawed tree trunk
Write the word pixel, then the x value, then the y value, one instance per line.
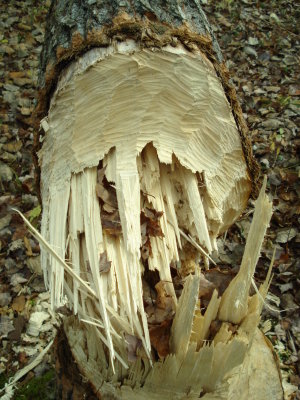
pixel 144 162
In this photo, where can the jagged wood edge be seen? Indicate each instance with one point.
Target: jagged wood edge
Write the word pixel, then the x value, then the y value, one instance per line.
pixel 145 33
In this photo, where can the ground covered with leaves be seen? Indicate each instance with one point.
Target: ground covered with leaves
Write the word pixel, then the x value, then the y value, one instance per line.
pixel 260 41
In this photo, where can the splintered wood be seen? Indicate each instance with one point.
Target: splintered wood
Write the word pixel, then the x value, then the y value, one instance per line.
pixel 142 168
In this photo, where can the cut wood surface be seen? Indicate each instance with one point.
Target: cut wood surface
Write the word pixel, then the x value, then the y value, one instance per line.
pixel 144 163
pixel 224 367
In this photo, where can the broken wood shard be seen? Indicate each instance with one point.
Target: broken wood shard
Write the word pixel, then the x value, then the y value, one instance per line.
pixel 234 304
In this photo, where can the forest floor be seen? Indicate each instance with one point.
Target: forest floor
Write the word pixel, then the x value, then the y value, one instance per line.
pixel 260 41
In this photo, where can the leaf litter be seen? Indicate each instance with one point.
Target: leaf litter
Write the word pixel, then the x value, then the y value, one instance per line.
pixel 260 41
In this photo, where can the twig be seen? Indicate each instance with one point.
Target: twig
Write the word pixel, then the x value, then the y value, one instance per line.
pixel 195 244
pixel 42 241
pixel 9 386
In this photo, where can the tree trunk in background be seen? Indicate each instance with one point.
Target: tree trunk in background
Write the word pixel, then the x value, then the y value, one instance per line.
pixel 144 161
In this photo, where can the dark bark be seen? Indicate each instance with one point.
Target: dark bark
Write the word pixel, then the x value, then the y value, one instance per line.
pixel 67 17
pixel 70 384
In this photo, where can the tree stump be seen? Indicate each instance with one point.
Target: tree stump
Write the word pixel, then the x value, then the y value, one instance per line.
pixel 144 161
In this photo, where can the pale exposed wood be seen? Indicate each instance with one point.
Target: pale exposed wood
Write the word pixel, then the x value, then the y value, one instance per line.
pixel 94 244
pixel 234 303
pixel 195 202
pixel 159 124
pixel 190 117
pixel 246 382
pixel 75 228
pixel 164 249
pixel 182 323
pixel 224 334
pixel 201 323
pixel 168 194
pixel 58 206
pixel 258 377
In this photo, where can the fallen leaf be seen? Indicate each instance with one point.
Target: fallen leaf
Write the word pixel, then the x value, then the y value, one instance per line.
pixel 106 192
pixel 253 41
pixel 151 219
pixel 164 307
pixel 34 264
pixel 285 287
pixel 19 324
pixel 160 337
pixel 294 90
pixel 274 17
pixel 36 321
pixel 206 287
pixel 28 247
pixel 17 278
pixel 19 303
pixel 286 235
pixel 22 357
pixel 104 263
pixel 16 246
pixel 64 310
pixel 5 299
pixel 6 325
pixel 250 51
pixel 223 21
pixel 163 300
pixel 13 147
pixel 108 198
pixel 20 232
pixel 111 223
pixel 5 221
pixel 220 281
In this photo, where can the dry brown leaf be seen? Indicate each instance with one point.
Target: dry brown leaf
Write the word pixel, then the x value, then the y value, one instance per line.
pixel 149 295
pixel 101 174
pixel 150 226
pixel 108 198
pixel 64 310
pixel 19 233
pixel 111 223
pixel 220 279
pixel 151 219
pixel 160 336
pixel 22 357
pixel 106 192
pixel 110 218
pixel 104 263
pixel 19 303
pixel 28 247
pixel 163 300
pixel 206 287
pixel 164 308
pixel 19 324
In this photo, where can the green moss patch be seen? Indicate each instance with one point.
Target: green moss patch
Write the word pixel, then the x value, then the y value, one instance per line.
pixel 38 388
